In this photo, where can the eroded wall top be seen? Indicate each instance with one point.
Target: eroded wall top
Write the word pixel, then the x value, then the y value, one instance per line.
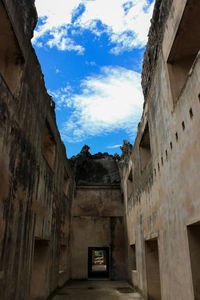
pixel 156 32
pixel 97 169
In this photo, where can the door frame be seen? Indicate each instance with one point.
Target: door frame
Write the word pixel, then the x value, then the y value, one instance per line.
pixel 101 274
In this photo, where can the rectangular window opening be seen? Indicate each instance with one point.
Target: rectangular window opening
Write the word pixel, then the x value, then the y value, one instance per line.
pixel 130 185
pixel 49 146
pixel 63 259
pixel 145 148
pixel 185 48
pixel 194 248
pixel 133 257
pixel 11 57
pixel 152 269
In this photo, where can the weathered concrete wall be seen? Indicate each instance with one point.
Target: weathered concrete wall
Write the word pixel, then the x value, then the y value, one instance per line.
pixel 97 232
pixel 97 215
pixel 160 209
pixel 165 194
pixel 98 201
pixel 34 210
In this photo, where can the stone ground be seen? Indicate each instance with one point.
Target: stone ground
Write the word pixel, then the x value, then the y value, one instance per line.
pixel 97 290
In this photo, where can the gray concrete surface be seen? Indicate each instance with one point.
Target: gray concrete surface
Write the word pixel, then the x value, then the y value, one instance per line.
pixel 97 290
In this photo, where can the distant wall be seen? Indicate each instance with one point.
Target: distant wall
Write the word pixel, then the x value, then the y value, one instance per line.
pixel 97 217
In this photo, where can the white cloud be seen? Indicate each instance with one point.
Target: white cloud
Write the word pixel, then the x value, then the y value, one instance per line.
pixel 91 63
pixel 61 96
pixel 125 22
pixel 63 43
pixel 107 102
pixel 56 15
pixel 114 146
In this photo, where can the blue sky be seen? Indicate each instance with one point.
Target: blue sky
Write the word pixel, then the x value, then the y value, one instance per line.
pixel 91 55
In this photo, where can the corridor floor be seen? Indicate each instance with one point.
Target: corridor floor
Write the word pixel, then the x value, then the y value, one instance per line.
pixel 97 290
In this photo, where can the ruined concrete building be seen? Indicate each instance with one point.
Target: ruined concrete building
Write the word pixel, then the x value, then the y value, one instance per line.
pixel 136 217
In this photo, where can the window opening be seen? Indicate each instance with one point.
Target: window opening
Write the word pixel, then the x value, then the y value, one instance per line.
pixel 191 113
pixel 152 269
pixel 130 185
pixel 185 47
pixel 39 269
pixel 194 248
pixel 63 259
pixel 11 58
pixel 145 148
pixel 133 257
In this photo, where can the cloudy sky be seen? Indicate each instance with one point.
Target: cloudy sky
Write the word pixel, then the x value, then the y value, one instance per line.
pixel 91 55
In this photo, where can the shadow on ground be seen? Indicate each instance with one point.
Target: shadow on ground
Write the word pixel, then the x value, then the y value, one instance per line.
pixel 97 290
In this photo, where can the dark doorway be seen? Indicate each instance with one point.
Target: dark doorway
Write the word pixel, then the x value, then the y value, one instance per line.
pixel 152 269
pixel 194 247
pixel 39 276
pixel 98 262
